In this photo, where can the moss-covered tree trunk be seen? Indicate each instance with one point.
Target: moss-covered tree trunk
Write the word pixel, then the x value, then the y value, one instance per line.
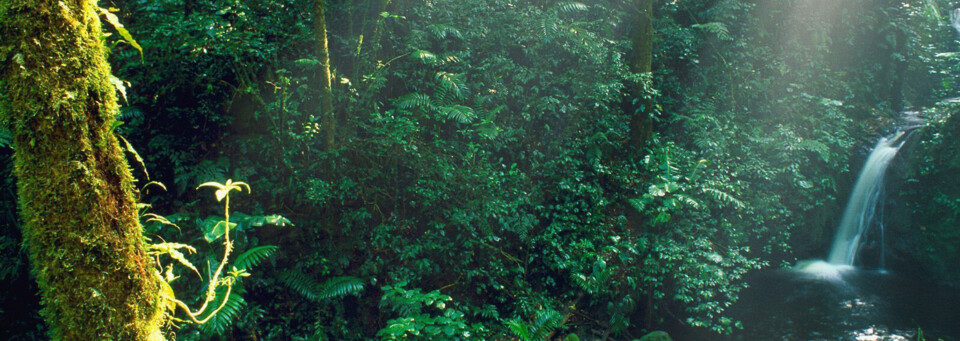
pixel 641 123
pixel 327 118
pixel 74 186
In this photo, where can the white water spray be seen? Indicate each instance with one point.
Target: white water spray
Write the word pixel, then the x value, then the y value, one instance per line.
pixel 955 19
pixel 864 200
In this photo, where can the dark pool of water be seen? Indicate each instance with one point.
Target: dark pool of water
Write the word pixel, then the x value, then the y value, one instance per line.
pixel 859 305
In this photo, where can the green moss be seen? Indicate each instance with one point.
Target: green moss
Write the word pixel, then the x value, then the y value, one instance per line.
pixel 75 187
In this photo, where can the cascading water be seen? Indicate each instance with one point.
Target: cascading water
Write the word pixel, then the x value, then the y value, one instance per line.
pixel 955 19
pixel 862 205
pixel 864 208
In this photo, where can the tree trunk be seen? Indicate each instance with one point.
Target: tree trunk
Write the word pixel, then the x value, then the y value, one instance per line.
pixel 899 59
pixel 641 124
pixel 81 227
pixel 327 118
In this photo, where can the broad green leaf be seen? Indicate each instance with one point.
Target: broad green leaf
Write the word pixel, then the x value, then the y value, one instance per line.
pixel 214 232
pixel 115 22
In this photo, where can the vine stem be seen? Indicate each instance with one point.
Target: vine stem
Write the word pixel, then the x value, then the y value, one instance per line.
pixel 215 278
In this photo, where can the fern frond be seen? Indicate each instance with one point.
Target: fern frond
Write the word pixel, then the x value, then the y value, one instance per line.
pixel 415 101
pixel 549 27
pixel 6 138
pixel 489 311
pixel 340 286
pixel 520 329
pixel 307 63
pixel 441 31
pixel 640 204
pixel 449 59
pixel 459 113
pixel 724 197
pixel 254 256
pixel 426 57
pixel 224 318
pixel 717 28
pixel 333 288
pixel 546 322
pixel 815 146
pixel 689 201
pixel 173 250
pixel 129 148
pixel 449 86
pixel 301 284
pixel 571 6
pixel 128 113
pixel 159 219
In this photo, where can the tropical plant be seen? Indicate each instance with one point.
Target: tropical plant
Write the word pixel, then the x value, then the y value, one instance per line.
pixel 222 299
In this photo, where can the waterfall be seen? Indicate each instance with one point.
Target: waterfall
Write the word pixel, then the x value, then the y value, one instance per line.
pixel 864 200
pixel 955 19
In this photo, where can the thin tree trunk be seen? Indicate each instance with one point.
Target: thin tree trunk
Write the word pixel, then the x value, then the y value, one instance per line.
pixel 327 118
pixel 900 71
pixel 641 124
pixel 81 226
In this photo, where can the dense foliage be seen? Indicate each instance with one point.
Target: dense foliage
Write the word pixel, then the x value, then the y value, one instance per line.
pixel 482 184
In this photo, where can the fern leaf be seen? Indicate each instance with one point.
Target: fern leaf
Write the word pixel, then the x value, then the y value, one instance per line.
pixel 224 318
pixel 716 28
pixel 415 101
pixel 6 138
pixel 426 57
pixel 341 286
pixel 254 256
pixel 571 6
pixel 159 219
pixel 449 59
pixel 638 204
pixel 441 31
pixel 459 113
pixel 307 63
pixel 489 311
pixel 129 148
pixel 724 197
pixel 333 288
pixel 689 201
pixel 301 284
pixel 547 322
pixel 520 329
pixel 815 146
pixel 173 250
pixel 450 84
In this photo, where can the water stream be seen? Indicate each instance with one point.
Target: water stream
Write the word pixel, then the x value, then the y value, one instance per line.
pixel 862 205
